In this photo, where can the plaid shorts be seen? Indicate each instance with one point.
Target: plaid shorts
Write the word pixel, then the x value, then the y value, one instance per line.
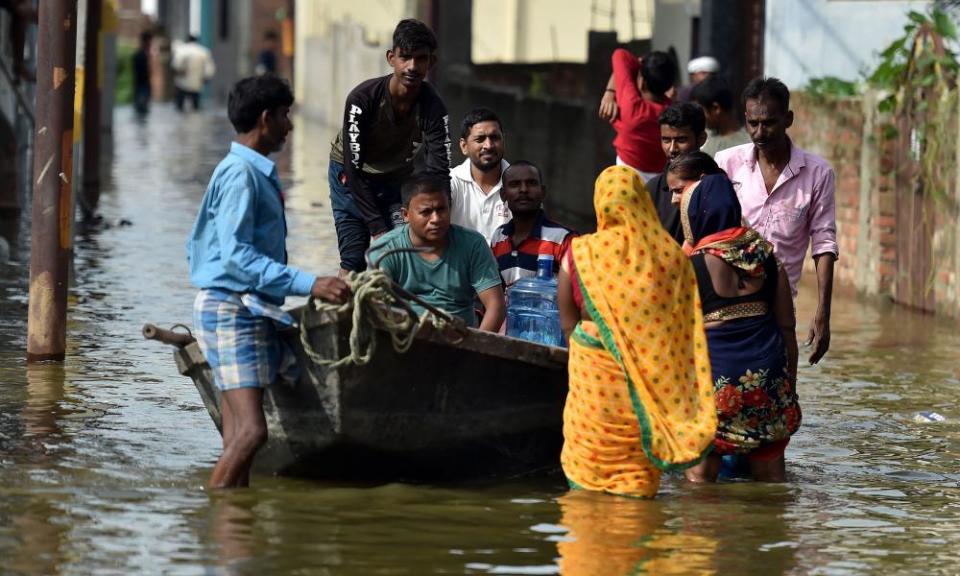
pixel 237 334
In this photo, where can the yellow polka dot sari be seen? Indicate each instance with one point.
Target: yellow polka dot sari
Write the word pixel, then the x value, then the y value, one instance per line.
pixel 641 398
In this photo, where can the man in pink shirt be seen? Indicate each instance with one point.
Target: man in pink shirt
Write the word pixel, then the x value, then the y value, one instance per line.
pixel 787 195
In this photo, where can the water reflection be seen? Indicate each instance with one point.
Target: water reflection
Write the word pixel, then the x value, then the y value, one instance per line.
pixel 45 383
pixel 102 460
pixel 27 514
pixel 233 528
pixel 619 536
pixel 40 540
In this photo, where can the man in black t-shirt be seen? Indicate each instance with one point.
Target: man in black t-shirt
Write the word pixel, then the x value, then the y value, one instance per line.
pixel 388 123
pixel 682 130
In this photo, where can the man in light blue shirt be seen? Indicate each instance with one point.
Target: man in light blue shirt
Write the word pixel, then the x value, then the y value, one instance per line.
pixel 238 258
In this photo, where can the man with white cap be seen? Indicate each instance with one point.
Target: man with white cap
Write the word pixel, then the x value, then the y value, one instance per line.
pixel 698 69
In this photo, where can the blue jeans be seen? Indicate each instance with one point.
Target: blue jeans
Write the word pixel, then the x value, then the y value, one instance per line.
pixel 353 235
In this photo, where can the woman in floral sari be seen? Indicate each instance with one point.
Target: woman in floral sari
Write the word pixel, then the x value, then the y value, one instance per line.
pixel 749 319
pixel 641 397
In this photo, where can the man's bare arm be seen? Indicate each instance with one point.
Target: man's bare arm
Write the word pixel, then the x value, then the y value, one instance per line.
pixel 608 103
pixel 495 308
pixel 819 336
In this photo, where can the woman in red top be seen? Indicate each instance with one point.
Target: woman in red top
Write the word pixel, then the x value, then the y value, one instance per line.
pixel 634 98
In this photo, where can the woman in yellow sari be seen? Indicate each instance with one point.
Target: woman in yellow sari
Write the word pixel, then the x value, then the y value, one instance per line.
pixel 641 398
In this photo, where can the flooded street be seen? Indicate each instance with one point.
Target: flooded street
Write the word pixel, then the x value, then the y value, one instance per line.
pixel 103 459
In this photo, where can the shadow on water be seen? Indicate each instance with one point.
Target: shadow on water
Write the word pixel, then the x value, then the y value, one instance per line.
pixel 103 459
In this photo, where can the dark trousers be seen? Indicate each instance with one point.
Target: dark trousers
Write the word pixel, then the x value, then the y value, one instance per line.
pixel 353 235
pixel 181 95
pixel 141 99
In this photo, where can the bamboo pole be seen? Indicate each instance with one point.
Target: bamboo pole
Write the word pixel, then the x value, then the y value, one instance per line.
pixel 52 175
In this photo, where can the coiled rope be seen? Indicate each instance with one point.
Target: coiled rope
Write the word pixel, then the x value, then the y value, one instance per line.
pixel 375 301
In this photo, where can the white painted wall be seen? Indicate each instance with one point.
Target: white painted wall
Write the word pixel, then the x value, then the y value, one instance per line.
pixel 338 45
pixel 807 39
pixel 552 30
pixel 332 65
pixel 672 27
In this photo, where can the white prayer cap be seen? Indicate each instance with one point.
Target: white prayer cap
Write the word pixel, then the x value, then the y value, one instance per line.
pixel 703 64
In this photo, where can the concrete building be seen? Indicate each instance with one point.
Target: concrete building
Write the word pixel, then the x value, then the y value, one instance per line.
pixel 528 31
pixel 794 40
pixel 732 31
pixel 677 26
pixel 816 38
pixel 338 45
pixel 233 30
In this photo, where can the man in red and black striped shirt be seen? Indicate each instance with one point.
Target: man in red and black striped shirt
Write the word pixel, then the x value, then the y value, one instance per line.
pixel 517 244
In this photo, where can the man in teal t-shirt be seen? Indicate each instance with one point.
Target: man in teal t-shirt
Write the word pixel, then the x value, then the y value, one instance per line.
pixel 460 265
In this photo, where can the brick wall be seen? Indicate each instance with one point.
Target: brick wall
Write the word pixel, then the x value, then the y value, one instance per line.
pixel 835 134
pixel 849 133
pixel 130 22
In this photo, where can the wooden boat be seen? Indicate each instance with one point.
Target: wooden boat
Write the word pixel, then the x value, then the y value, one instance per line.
pixel 489 405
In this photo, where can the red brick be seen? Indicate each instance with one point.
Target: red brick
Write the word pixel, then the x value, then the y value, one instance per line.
pixel 887 269
pixel 885 221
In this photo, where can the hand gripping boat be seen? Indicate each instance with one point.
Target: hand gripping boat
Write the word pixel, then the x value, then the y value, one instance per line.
pixel 479 405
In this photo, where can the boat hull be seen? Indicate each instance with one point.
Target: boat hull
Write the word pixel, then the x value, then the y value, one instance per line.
pixel 487 406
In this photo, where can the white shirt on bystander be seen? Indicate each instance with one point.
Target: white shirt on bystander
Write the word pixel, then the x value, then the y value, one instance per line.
pixel 471 207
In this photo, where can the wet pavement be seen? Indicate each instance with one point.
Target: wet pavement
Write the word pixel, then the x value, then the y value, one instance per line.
pixel 103 459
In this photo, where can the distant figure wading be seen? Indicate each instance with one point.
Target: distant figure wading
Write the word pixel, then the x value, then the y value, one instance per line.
pixel 193 67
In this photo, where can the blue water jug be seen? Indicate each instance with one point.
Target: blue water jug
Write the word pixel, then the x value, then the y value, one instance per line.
pixel 532 312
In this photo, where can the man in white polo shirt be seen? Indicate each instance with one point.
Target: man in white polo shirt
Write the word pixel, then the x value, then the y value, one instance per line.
pixel 475 184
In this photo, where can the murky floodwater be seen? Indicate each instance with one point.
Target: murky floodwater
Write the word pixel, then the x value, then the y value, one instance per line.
pixel 103 460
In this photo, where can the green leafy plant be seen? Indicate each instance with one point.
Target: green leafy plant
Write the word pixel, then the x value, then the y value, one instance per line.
pixel 918 73
pixel 832 87
pixel 919 58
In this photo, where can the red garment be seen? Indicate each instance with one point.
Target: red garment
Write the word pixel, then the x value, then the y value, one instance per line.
pixel 577 294
pixel 638 127
pixel 721 236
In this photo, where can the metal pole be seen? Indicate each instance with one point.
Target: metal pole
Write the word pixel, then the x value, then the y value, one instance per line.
pixel 52 174
pixel 91 109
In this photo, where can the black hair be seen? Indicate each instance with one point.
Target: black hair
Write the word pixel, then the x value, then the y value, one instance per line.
pixel 192 38
pixel 423 184
pixel 146 36
pixel 692 165
pixel 659 72
pixel 684 115
pixel 519 163
pixel 251 96
pixel 476 116
pixel 713 90
pixel 411 35
pixel 763 88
